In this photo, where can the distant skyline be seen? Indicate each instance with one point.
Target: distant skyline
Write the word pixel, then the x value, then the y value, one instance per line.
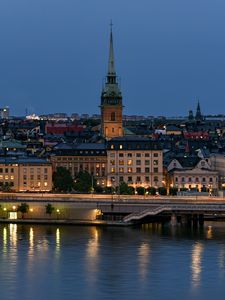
pixel 168 54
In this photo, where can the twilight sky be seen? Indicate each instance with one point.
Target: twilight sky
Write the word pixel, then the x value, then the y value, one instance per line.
pixel 169 53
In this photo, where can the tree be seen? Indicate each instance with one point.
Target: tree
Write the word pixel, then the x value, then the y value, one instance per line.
pixel 152 190
pixel 49 209
pixel 23 208
pixel 162 191
pixel 173 191
pixel 125 189
pixel 84 182
pixel 62 180
pixel 140 190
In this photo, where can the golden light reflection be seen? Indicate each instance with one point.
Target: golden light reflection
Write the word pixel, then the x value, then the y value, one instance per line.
pixel 57 240
pixel 144 254
pixel 13 234
pixel 92 254
pixel 4 240
pixel 209 233
pixel 31 242
pixel 196 265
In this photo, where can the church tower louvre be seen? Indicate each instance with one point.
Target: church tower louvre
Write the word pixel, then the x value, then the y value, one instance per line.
pixel 111 100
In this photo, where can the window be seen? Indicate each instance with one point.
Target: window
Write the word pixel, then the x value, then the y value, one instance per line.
pixel 121 170
pixel 112 179
pixel 155 162
pixel 113 116
pixel 147 162
pixel 156 170
pixel 121 162
pixel 156 178
pixel 147 178
pixel 129 170
pixel 147 170
pixel 45 183
pixel 45 170
pixel 138 162
pixel 6 170
pixel 121 179
pixel 129 162
pixel 38 177
pixel 24 177
pixel 147 155
pixel 112 146
pixel 1 176
pixel 189 179
pixel 210 179
pixel 112 170
pixel 31 177
pixel 6 177
pixel 112 154
pixel 183 179
pixel 1 170
pixel 138 154
pixel 12 170
pixel 129 154
pixel 196 179
pixel 112 162
pixel 155 155
pixel 176 179
pixel 129 179
pixel 120 154
pixel 203 179
pixel 46 176
pixel 138 170
pixel 138 178
pixel 120 147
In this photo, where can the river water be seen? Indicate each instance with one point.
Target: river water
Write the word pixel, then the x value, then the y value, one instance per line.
pixel 81 262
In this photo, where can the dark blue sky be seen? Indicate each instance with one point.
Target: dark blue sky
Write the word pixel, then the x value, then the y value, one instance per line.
pixel 169 53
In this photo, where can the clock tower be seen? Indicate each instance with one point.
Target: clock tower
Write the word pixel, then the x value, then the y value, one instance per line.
pixel 111 100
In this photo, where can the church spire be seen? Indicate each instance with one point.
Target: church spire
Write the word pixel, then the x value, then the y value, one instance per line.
pixel 198 115
pixel 111 76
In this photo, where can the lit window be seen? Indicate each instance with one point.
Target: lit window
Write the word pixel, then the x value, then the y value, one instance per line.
pixel 45 184
pixel 129 162
pixel 11 177
pixel 113 170
pixel 6 177
pixel 121 146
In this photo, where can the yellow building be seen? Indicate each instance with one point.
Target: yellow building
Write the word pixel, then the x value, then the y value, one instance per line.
pixel 25 174
pixel 138 161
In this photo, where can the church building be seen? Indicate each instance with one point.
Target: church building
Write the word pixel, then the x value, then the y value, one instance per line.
pixel 111 101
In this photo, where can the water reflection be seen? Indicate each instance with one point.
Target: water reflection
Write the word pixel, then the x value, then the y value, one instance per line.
pixel 196 265
pixel 57 241
pixel 31 242
pixel 4 240
pixel 144 259
pixel 209 233
pixel 92 255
